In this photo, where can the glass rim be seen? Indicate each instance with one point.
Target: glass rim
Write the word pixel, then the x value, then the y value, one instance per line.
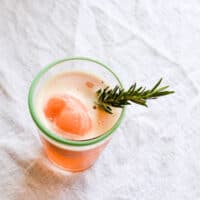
pixel 50 134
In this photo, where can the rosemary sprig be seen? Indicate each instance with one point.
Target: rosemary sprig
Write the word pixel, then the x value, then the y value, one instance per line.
pixel 118 97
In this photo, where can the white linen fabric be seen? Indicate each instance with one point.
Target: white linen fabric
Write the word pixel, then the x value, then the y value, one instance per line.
pixel 154 155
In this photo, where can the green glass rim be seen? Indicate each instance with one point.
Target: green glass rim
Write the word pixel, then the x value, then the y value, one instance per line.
pixel 48 132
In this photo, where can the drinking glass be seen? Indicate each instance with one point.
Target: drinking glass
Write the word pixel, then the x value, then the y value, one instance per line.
pixel 72 155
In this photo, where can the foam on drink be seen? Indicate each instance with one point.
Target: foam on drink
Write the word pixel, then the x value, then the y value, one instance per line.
pixel 65 104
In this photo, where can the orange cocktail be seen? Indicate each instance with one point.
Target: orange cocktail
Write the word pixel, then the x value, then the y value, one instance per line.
pixel 73 129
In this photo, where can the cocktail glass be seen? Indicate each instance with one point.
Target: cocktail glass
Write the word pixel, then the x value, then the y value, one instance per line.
pixel 72 155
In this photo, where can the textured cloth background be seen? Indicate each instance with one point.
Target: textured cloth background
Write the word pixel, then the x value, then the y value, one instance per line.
pixel 154 155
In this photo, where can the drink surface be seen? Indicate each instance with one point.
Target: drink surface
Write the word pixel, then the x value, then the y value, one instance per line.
pixel 65 105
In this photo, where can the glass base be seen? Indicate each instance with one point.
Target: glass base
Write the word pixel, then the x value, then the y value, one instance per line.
pixel 70 160
pixel 68 169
